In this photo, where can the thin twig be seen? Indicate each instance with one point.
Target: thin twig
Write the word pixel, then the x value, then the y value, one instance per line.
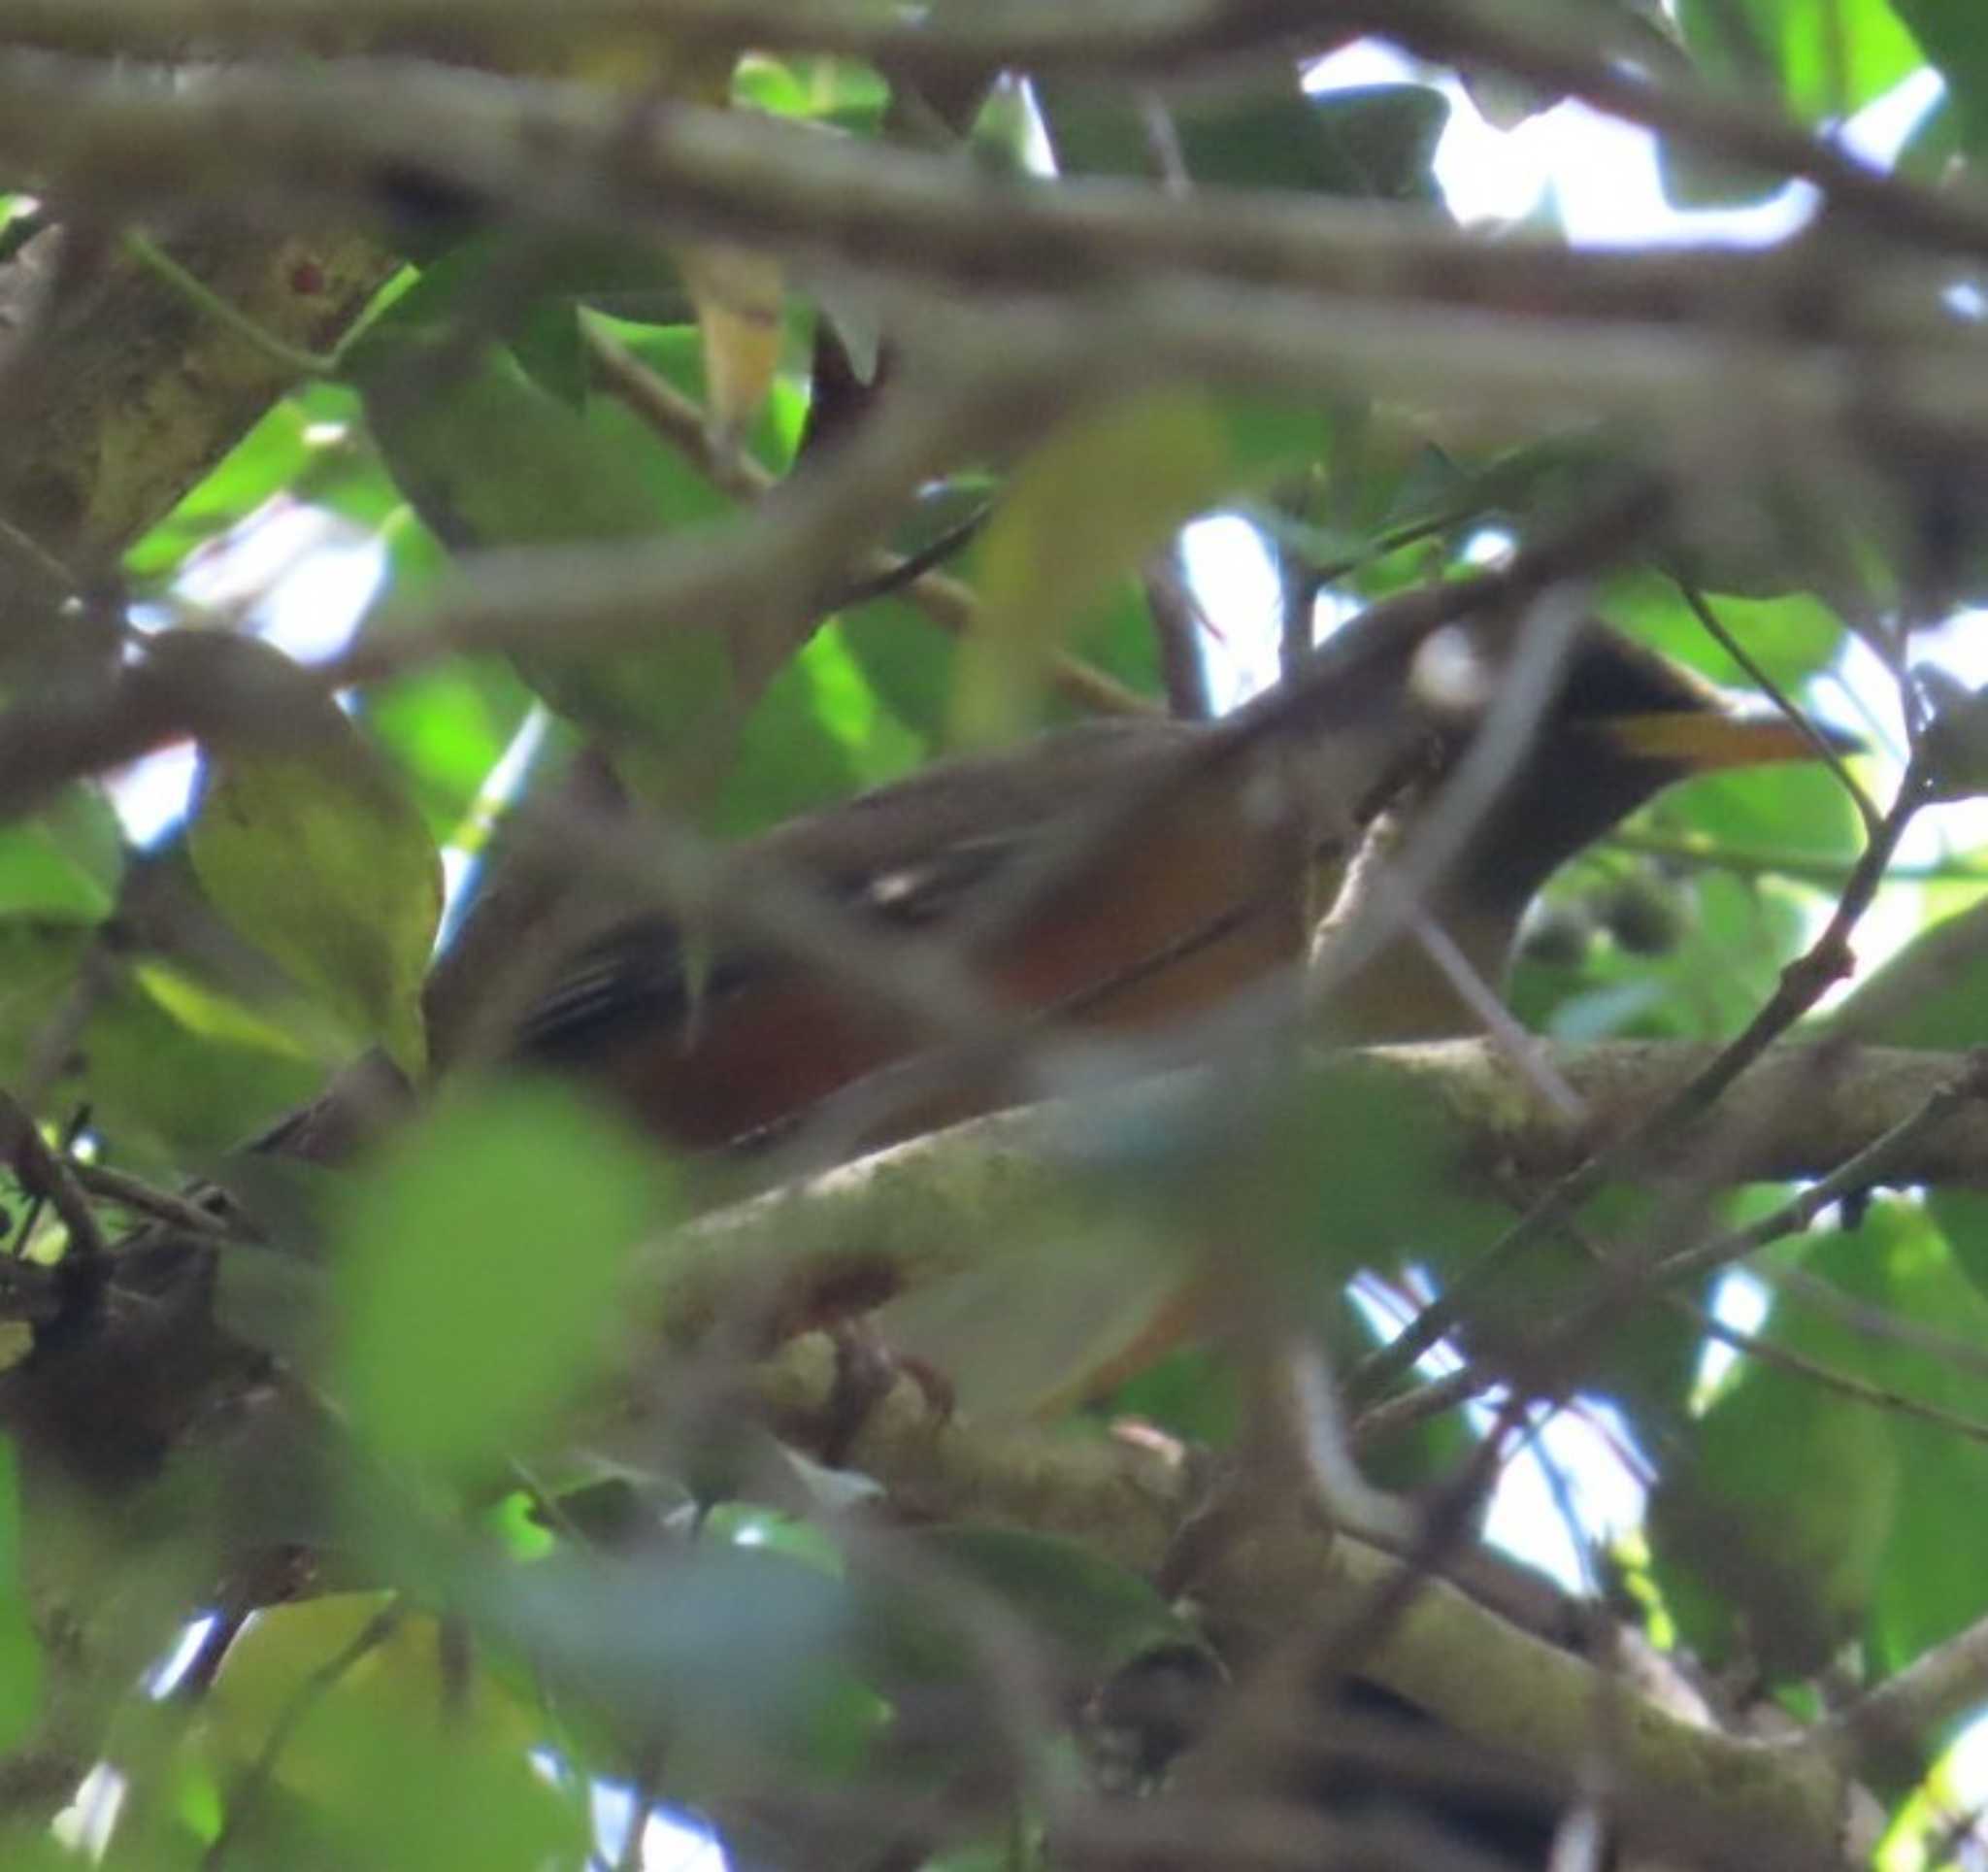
pixel 1830 756
pixel 1154 35
pixel 204 299
pixel 246 1796
pixel 1746 130
pixel 1857 1174
pixel 1890 1727
pixel 1804 867
pixel 27 553
pixel 1805 1288
pixel 1802 984
pixel 948 602
pixel 45 1173
pixel 1856 1390
pixel 146 1199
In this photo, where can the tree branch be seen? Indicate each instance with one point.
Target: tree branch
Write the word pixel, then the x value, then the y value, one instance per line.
pixel 1479 1670
pixel 947 1205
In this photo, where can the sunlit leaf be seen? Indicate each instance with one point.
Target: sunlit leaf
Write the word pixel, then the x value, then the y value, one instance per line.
pixel 910 666
pixel 1830 57
pixel 818 734
pixel 220 1019
pixel 448 727
pixel 838 90
pixel 65 861
pixel 266 460
pixel 1821 59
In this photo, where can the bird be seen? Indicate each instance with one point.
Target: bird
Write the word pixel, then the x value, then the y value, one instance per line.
pixel 1123 877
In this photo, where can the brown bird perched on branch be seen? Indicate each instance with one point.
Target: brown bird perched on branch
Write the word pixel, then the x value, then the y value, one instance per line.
pixel 1124 876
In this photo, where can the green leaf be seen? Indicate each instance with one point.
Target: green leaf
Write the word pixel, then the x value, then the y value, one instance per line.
pixel 1381 1172
pixel 164 1095
pixel 912 666
pixel 66 861
pixel 1962 1217
pixel 1791 808
pixel 405 1758
pixel 548 344
pixel 1931 994
pixel 1095 129
pixel 1792 637
pixel 1088 1614
pixel 488 457
pixel 1372 144
pixel 1950 31
pixel 1931 1584
pixel 477 1272
pixel 1770 1524
pixel 1118 636
pixel 305 841
pixel 819 733
pixel 1822 59
pixel 1101 494
pixel 1826 58
pixel 446 727
pixel 263 463
pixel 21 1654
pixel 175 1066
pixel 729 1660
pixel 1738 936
pixel 835 90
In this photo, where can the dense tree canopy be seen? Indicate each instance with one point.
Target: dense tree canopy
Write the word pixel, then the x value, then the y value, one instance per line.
pixel 739 404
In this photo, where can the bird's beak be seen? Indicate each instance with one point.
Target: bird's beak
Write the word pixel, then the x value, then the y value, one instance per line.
pixel 1707 740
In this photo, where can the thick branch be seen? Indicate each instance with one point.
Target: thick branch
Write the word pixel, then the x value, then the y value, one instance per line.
pixel 1129 36
pixel 1888 1732
pixel 958 1201
pixel 353 132
pixel 1145 35
pixel 1484 1675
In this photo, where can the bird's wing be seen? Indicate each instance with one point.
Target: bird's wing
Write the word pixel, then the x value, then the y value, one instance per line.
pixel 648 974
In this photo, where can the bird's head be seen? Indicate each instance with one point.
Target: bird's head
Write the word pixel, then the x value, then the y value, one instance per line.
pixel 1625 723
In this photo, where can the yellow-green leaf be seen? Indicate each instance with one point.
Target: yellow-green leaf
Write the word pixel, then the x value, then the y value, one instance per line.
pixel 392 1753
pixel 1101 495
pixel 738 295
pixel 315 853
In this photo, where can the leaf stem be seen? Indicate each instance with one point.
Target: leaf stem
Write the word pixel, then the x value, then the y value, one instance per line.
pixel 147 252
